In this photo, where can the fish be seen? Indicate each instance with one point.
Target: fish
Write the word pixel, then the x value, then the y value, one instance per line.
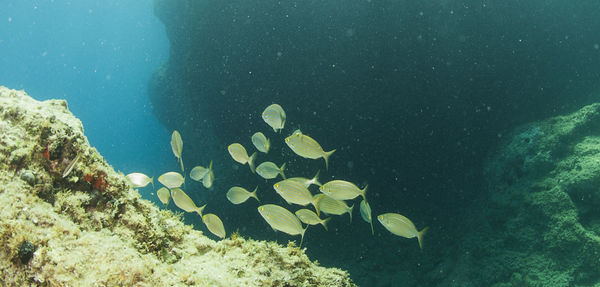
pixel 269 170
pixel 237 195
pixel 261 142
pixel 311 218
pixel 332 206
pixel 275 117
pixel 198 172
pixel 365 212
pixel 171 179
pixel 163 195
pixel 71 165
pixel 342 190
pixel 295 192
pixel 214 225
pixel 239 154
pixel 177 147
pixel 139 179
pixel 209 178
pixel 307 147
pixel 401 226
pixel 282 220
pixel 307 182
pixel 184 202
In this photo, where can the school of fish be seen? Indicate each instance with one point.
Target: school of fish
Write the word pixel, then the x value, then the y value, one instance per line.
pixel 172 182
pixel 331 198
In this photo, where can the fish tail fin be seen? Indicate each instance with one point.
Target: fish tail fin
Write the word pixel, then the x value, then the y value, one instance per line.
pixel 372 231
pixel 363 192
pixel 253 194
pixel 152 182
pixel 316 205
pixel 326 158
pixel 181 163
pixel 267 145
pixel 251 162
pixel 281 169
pixel 324 223
pixel 200 210
pixel 420 237
pixel 350 212
pixel 315 179
pixel 302 238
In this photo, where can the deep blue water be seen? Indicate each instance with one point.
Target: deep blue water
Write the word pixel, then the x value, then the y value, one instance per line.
pixel 98 55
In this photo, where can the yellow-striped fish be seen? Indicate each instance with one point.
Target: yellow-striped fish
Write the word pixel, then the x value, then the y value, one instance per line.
pixel 261 142
pixel 171 179
pixel 269 170
pixel 401 226
pixel 209 178
pixel 184 202
pixel 342 190
pixel 307 182
pixel 274 116
pixel 198 172
pixel 214 224
pixel 311 218
pixel 294 192
pixel 239 154
pixel 239 195
pixel 163 195
pixel 307 147
pixel 365 212
pixel 139 179
pixel 282 219
pixel 177 147
pixel 332 206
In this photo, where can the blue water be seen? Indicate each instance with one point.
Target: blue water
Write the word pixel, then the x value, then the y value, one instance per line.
pixel 98 55
pixel 413 94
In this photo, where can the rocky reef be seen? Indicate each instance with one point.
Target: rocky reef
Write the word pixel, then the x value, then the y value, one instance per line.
pixel 87 226
pixel 538 220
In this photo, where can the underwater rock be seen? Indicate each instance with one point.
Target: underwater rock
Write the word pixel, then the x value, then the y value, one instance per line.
pixel 539 224
pixel 26 250
pixel 91 228
pixel 28 176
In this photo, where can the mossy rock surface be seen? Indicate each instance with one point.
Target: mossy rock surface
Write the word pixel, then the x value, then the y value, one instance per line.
pixel 538 224
pixel 89 227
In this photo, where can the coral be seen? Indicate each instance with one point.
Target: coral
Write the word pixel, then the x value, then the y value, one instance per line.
pixel 91 227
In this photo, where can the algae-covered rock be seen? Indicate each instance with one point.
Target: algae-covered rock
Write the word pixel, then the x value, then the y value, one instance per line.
pixel 89 227
pixel 541 214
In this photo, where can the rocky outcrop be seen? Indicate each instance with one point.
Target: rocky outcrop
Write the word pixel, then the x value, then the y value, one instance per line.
pixel 539 222
pixel 89 227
